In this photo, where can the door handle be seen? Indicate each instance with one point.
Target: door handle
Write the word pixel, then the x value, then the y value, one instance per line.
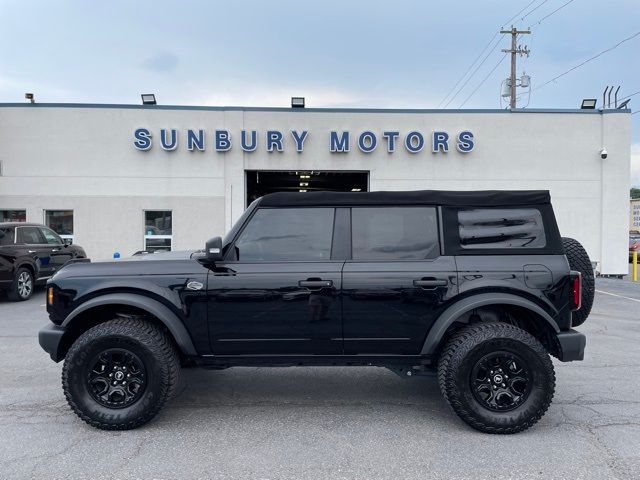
pixel 31 251
pixel 55 250
pixel 315 283
pixel 430 283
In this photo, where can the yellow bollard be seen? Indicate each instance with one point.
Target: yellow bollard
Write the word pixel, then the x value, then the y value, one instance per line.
pixel 634 268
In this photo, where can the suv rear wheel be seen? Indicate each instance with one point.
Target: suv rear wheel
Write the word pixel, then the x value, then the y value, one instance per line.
pixel 22 287
pixel 496 377
pixel 119 374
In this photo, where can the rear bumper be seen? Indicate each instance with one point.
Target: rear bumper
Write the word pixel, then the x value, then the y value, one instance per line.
pixel 572 345
pixel 50 338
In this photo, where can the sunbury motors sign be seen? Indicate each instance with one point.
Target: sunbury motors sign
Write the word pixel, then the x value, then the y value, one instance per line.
pixel 277 140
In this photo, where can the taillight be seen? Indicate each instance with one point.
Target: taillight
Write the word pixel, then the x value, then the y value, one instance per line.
pixel 576 287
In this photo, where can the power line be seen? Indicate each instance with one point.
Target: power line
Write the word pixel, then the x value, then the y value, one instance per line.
pixel 629 96
pixel 473 73
pixel 557 9
pixel 484 80
pixel 588 60
pixel 637 111
pixel 478 57
pixel 468 69
pixel 534 9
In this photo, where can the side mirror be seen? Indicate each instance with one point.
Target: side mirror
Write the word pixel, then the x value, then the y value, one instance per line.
pixel 67 241
pixel 213 249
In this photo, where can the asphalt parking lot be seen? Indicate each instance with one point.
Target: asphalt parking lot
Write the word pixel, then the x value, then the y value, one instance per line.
pixel 351 423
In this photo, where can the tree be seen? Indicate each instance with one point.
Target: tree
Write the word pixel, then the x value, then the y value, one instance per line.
pixel 635 193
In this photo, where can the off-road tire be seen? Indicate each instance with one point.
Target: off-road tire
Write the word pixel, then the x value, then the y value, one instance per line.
pixel 13 292
pixel 470 344
pixel 579 260
pixel 151 345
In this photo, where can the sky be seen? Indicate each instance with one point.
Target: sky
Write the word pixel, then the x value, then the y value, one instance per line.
pixel 400 54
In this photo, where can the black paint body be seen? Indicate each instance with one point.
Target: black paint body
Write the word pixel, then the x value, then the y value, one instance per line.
pixel 339 310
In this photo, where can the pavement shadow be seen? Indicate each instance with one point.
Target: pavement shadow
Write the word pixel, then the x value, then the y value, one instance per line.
pixel 37 292
pixel 309 386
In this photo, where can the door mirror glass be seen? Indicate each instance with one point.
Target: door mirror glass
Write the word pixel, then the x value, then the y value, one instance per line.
pixel 213 249
pixel 67 241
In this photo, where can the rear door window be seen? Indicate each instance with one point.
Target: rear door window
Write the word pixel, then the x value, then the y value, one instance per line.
pixel 287 234
pixel 394 233
pixel 7 236
pixel 30 236
pixel 501 228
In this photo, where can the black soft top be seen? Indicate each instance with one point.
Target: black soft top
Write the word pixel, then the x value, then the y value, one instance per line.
pixel 478 198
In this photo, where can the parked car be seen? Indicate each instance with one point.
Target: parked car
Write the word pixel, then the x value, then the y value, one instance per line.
pixel 476 288
pixel 29 255
pixel 634 244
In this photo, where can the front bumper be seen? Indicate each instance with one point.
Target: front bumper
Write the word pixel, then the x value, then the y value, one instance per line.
pixel 50 339
pixel 572 345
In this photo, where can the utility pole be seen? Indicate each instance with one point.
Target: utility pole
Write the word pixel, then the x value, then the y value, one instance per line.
pixel 515 49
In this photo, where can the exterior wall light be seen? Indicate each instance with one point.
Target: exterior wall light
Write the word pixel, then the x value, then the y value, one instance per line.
pixel 148 99
pixel 297 102
pixel 588 104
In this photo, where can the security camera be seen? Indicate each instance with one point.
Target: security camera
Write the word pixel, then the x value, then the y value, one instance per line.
pixel 603 153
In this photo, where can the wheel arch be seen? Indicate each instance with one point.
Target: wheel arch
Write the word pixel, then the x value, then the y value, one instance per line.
pixel 107 307
pixel 27 264
pixel 520 311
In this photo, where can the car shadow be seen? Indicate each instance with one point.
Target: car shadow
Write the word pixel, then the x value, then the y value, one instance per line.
pixel 305 386
pixel 35 296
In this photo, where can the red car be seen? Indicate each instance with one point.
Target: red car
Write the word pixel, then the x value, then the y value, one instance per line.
pixel 634 244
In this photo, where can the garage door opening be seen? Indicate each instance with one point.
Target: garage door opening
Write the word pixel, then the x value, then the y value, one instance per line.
pixel 261 182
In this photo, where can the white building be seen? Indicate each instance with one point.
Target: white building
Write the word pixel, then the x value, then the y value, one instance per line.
pixel 122 178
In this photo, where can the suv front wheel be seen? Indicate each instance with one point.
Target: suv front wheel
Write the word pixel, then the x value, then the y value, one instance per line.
pixel 496 377
pixel 119 374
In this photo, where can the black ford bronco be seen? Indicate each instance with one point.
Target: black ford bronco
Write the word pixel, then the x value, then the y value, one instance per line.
pixel 477 288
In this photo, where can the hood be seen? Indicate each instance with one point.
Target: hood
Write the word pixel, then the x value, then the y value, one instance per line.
pixel 164 263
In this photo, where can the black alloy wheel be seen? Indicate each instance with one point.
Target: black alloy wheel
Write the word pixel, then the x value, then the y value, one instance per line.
pixel 117 378
pixel 500 381
pixel 497 377
pixel 119 374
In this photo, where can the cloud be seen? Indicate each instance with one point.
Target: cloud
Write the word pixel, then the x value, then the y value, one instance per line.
pixel 162 62
pixel 635 165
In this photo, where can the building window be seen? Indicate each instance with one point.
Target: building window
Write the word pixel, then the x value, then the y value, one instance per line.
pixel 61 222
pixel 13 216
pixel 158 233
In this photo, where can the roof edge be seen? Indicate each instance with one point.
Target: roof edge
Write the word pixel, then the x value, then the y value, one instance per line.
pixel 125 106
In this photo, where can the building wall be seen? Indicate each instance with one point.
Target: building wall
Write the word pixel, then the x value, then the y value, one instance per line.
pixel 83 158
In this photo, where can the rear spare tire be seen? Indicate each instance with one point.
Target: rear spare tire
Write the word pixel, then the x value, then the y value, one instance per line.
pixel 580 261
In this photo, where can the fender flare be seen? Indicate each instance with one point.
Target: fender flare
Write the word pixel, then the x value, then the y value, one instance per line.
pixel 467 304
pixel 154 307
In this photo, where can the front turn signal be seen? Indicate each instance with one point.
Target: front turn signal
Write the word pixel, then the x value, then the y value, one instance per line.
pixel 50 295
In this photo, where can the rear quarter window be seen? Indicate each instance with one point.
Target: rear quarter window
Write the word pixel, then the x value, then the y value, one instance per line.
pixel 501 228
